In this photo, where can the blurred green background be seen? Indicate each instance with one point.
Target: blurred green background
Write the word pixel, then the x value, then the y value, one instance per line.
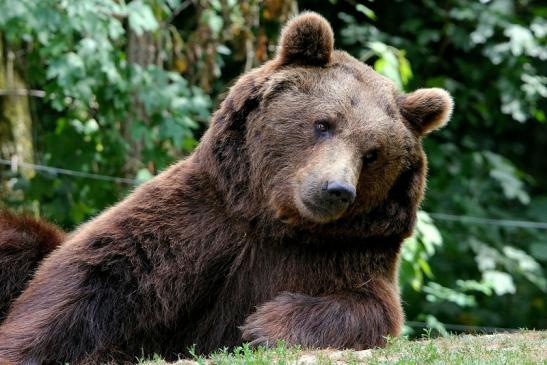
pixel 125 88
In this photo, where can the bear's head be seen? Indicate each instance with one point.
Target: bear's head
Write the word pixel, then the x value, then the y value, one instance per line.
pixel 316 137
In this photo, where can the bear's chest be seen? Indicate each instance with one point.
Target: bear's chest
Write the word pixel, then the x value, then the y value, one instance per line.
pixel 314 270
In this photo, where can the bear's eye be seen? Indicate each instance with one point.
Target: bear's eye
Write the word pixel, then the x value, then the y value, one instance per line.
pixel 371 156
pixel 322 126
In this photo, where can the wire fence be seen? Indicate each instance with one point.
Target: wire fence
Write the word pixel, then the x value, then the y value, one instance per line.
pixel 14 164
pixel 489 221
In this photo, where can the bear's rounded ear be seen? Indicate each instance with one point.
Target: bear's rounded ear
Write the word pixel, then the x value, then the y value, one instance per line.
pixel 306 40
pixel 426 109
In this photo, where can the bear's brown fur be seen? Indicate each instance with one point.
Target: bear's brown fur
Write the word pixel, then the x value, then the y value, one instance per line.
pixel 24 242
pixel 285 223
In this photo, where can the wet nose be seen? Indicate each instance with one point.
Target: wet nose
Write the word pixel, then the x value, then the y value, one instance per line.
pixel 341 192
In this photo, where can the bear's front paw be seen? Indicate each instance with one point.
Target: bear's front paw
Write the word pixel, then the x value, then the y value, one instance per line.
pixel 255 335
pixel 258 332
pixel 270 323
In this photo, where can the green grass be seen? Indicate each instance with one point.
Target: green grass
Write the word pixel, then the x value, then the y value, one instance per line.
pixel 525 347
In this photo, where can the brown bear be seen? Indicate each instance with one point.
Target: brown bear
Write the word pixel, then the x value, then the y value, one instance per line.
pixel 284 224
pixel 24 242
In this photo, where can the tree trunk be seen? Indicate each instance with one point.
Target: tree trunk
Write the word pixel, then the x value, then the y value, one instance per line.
pixel 143 51
pixel 15 118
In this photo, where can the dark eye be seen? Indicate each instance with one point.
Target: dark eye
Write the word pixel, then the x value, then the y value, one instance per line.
pixel 371 156
pixel 322 126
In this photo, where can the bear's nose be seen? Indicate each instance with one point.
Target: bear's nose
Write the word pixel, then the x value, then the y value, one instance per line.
pixel 341 191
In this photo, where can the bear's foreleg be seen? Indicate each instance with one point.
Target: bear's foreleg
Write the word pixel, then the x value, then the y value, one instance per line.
pixel 354 319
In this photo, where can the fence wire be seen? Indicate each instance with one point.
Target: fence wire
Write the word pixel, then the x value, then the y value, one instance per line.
pixel 15 164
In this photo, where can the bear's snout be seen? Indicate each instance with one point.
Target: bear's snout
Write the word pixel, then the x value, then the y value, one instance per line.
pixel 327 184
pixel 338 192
pixel 326 201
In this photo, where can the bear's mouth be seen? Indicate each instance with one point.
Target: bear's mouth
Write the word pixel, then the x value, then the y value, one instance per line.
pixel 321 212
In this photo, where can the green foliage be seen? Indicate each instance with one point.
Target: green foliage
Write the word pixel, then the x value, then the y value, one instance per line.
pixel 389 61
pixel 418 250
pixel 98 105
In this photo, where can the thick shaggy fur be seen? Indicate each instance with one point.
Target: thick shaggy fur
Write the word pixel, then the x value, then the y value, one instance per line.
pixel 224 246
pixel 24 242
